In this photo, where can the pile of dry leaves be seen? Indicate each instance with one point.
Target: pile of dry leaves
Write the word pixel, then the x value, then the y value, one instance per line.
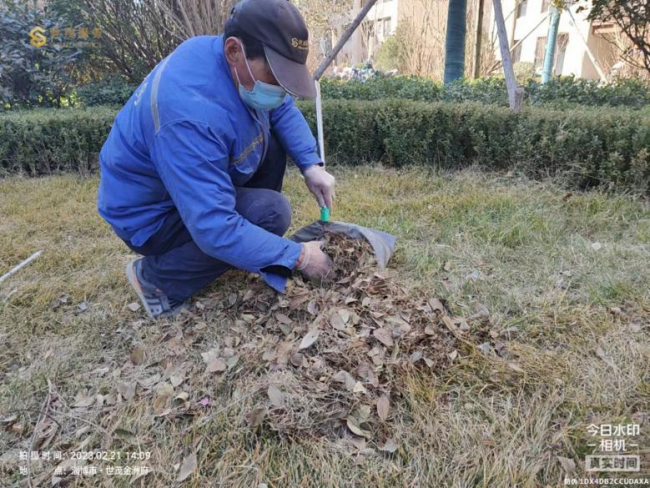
pixel 325 359
pixel 332 353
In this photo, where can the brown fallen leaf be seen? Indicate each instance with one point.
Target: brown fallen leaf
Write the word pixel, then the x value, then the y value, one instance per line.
pixel 389 446
pixel 210 355
pixel 415 357
pixel 256 417
pixel 232 362
pixel 353 425
pixel 358 442
pixel 346 378
pixel 359 388
pixel 216 366
pixel 137 355
pixel 283 319
pixel 516 367
pixel 337 322
pixel 451 326
pixel 160 404
pixel 312 307
pixel 430 330
pixel 436 306
pixel 248 318
pixel 182 396
pixel 8 420
pixel 384 336
pixel 126 389
pixel 568 464
pixel 309 339
pixel 383 407
pixel 275 395
pixel 187 467
pixel 149 382
pixel 345 314
pixel 83 400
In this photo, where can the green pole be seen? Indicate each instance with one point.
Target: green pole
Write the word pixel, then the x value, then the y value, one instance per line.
pixel 455 42
pixel 551 44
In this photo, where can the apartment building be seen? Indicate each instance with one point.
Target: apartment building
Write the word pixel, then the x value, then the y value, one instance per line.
pixel 380 23
pixel 527 23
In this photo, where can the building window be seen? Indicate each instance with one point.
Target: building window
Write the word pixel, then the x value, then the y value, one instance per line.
pixel 382 29
pixel 560 51
pixel 521 8
pixel 387 26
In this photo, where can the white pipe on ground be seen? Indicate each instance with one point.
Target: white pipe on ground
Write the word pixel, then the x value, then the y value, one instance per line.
pixel 19 266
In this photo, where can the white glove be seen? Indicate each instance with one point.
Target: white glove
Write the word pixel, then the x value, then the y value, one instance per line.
pixel 313 262
pixel 321 184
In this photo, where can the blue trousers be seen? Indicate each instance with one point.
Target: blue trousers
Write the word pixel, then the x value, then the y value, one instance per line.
pixel 175 264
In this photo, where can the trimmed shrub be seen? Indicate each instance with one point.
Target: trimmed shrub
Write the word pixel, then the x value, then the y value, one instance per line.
pixel 590 146
pixel 44 141
pixel 380 87
pixel 111 91
pixel 565 92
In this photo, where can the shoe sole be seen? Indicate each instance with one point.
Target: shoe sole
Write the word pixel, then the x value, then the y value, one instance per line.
pixel 135 284
pixel 130 274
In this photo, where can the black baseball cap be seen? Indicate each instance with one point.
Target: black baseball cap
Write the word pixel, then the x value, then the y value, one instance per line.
pixel 278 25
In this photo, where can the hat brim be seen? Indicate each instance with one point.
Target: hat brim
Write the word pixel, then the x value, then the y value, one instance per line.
pixel 292 76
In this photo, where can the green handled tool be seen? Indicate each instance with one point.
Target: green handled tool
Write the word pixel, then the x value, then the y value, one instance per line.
pixel 324 211
pixel 325 214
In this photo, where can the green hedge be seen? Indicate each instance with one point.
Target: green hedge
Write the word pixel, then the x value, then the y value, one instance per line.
pixel 111 91
pixel 44 141
pixel 560 92
pixel 591 146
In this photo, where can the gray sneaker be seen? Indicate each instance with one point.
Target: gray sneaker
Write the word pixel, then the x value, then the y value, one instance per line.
pixel 155 301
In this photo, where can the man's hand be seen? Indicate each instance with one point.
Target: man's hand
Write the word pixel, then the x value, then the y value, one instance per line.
pixel 321 184
pixel 313 262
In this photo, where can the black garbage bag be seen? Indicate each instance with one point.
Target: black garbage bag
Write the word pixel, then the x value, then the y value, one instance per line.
pixel 383 244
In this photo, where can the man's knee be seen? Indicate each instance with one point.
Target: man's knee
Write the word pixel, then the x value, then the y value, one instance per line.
pixel 268 209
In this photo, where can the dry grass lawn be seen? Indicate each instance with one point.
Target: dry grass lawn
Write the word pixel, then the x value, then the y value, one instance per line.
pixel 565 278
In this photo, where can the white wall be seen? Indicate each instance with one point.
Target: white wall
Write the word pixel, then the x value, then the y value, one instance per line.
pixel 576 61
pixel 353 51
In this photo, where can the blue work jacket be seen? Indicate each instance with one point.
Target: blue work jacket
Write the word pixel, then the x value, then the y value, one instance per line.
pixel 185 140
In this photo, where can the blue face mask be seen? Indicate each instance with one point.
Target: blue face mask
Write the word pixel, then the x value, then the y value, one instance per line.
pixel 263 96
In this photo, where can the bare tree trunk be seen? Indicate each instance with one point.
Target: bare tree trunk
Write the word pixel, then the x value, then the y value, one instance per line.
pixel 515 94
